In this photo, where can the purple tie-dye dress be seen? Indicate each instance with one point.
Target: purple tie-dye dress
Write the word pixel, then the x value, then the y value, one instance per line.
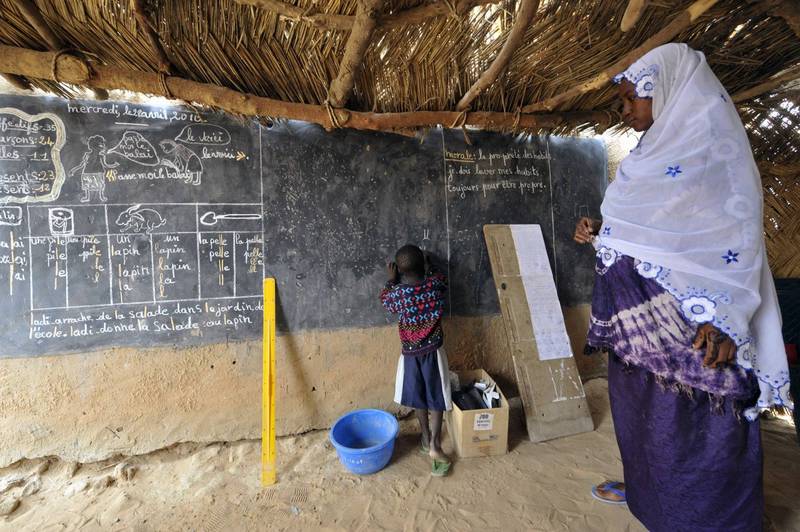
pixel 691 462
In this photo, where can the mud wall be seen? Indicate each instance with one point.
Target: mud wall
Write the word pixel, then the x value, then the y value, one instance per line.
pixel 87 407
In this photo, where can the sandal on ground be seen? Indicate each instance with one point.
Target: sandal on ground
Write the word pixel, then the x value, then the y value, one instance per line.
pixel 440 468
pixel 617 488
pixel 424 449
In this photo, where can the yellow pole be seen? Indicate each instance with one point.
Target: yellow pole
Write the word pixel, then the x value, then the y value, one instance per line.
pixel 268 475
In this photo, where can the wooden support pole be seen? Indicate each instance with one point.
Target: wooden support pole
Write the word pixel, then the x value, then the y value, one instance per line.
pixel 366 20
pixel 525 14
pixel 325 21
pixel 684 20
pixel 30 63
pixel 766 86
pixel 144 24
pixel 632 14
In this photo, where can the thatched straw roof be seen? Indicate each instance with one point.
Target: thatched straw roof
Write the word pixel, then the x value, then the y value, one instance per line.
pixel 423 65
pixel 407 56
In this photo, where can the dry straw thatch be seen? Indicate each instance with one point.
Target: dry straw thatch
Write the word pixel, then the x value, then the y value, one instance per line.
pixel 292 51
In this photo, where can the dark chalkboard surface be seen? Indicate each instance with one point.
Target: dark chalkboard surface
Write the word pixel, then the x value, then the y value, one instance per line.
pixel 125 224
pixel 496 179
pixel 337 205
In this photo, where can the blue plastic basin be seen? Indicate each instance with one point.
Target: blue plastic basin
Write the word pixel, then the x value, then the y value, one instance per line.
pixel 364 440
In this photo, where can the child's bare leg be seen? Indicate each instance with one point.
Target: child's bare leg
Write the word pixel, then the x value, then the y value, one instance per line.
pixel 422 417
pixel 436 436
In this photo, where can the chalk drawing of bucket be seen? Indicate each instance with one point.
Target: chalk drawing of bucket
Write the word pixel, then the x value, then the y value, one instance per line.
pixel 62 221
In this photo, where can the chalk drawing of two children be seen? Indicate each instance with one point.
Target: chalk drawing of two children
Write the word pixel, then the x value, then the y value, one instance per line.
pixel 93 166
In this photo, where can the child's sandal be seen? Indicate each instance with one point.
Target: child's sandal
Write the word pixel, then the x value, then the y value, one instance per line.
pixel 439 468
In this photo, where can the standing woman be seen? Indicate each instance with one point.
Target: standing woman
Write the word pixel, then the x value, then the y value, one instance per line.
pixel 685 304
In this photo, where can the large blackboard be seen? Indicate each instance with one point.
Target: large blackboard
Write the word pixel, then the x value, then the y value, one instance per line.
pixel 125 224
pixel 337 205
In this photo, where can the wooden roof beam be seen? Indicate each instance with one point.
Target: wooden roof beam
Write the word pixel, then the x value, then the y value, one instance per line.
pixel 768 85
pixel 322 21
pixel 325 21
pixel 788 10
pixel 35 64
pixel 357 44
pixel 525 14
pixel 632 14
pixel 30 11
pixel 683 20
pixel 423 12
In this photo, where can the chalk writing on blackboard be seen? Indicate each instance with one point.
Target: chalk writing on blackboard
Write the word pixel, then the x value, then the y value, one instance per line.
pixel 127 112
pixel 208 134
pixel 14 257
pixel 30 152
pixel 134 147
pixel 10 215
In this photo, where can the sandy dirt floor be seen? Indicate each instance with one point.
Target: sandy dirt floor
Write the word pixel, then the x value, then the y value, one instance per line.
pixel 215 487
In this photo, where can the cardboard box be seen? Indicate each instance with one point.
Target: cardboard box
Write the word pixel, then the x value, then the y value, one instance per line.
pixel 479 432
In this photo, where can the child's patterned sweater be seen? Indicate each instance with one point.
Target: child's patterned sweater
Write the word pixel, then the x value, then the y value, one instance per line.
pixel 420 308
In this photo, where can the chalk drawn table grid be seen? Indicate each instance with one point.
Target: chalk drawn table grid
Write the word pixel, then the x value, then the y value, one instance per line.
pixel 115 240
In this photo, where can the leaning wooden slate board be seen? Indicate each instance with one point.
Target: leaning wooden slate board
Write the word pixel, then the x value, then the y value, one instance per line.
pixel 547 377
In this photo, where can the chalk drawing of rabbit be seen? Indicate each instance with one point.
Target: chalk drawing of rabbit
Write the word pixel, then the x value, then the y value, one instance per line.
pixel 139 220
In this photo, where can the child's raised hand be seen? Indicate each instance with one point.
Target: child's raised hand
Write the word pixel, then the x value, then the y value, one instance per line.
pixel 391 272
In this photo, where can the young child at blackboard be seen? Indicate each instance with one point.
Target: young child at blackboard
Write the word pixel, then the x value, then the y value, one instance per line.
pixel 416 293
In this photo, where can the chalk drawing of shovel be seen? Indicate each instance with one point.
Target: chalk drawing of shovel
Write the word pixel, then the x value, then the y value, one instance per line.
pixel 211 218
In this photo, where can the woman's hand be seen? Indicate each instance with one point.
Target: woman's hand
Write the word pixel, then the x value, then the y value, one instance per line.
pixel 585 230
pixel 720 348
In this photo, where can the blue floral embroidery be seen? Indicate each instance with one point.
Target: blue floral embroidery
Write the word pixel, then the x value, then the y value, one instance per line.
pixel 643 80
pixel 607 256
pixel 673 170
pixel 699 309
pixel 648 270
pixel 607 230
pixel 730 257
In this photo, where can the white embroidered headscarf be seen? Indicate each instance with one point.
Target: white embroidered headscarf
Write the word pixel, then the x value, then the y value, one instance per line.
pixel 687 204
